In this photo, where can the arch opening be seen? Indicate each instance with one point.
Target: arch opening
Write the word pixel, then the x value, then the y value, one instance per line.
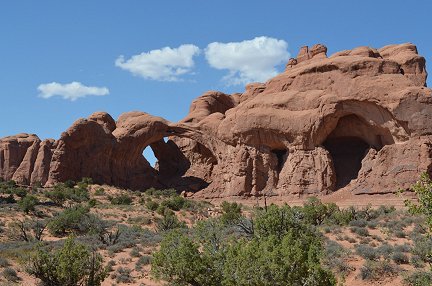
pixel 149 155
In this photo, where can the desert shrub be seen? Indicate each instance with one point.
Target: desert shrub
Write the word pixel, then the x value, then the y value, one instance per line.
pixel 7 200
pixel 92 203
pixel 72 265
pixel 174 203
pixel 315 212
pixel 27 230
pixel 131 236
pixel 57 195
pixel 123 275
pixel 416 261
pixel 70 183
pixel 281 251
pixel 77 220
pixel 423 190
pixel 100 192
pixel 28 203
pixel 231 212
pixel 361 231
pixel 7 187
pixel 20 192
pixel 340 217
pixel 10 274
pixel 422 248
pixel 149 238
pixel 374 270
pixel 62 193
pixel 359 223
pixel 163 210
pixel 152 205
pixel 402 247
pixel 367 252
pixel 385 250
pixel 372 224
pixel 134 252
pixel 400 234
pixel 419 278
pixel 139 220
pixel 400 258
pixel 109 266
pixel 122 199
pixel 335 256
pixel 4 262
pixel 160 193
pixel 143 260
pixel 169 222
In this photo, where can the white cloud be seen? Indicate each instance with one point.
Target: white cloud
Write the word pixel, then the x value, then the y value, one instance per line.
pixel 166 64
pixel 71 91
pixel 248 61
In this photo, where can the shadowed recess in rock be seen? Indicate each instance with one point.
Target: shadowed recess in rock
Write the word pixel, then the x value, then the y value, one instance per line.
pixel 347 154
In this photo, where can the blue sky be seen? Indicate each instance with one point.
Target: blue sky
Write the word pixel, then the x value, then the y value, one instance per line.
pixel 47 45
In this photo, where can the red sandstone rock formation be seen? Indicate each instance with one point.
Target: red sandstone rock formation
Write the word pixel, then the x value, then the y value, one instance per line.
pixel 359 120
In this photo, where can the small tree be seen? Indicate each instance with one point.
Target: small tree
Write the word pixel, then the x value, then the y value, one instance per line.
pixel 231 212
pixel 28 203
pixel 423 190
pixel 179 261
pixel 72 265
pixel 27 230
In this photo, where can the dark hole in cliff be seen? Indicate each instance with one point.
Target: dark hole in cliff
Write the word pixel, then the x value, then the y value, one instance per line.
pixel 347 154
pixel 402 71
pixel 281 158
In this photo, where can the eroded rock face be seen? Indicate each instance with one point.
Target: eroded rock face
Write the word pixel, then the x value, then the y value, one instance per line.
pixel 359 120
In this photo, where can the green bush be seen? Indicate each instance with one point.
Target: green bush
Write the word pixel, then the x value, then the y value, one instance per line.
pixel 367 252
pixel 174 203
pixel 28 203
pixel 231 212
pixel 282 250
pixel 72 265
pixel 4 262
pixel 62 193
pixel 100 192
pixel 122 199
pixel 169 222
pixel 10 274
pixel 161 193
pixel 70 183
pixel 385 250
pixel 315 212
pixel 361 231
pixel 152 205
pixel 77 220
pixel 419 278
pixel 20 192
pixel 400 258
pixel 7 200
pixel 123 275
pixel 373 270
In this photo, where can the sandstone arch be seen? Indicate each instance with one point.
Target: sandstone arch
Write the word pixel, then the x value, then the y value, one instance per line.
pixel 280 137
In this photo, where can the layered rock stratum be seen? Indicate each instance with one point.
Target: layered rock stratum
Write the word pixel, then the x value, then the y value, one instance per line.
pixel 358 121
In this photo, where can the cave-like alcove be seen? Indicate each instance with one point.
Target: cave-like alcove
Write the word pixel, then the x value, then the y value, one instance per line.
pixel 349 142
pixel 281 158
pixel 347 153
